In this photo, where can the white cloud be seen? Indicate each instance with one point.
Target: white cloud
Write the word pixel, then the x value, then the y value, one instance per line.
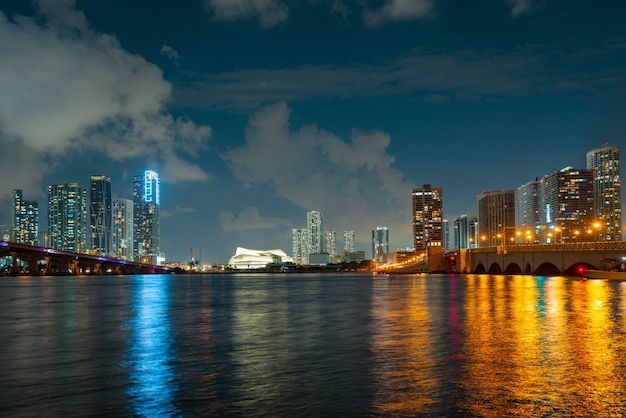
pixel 249 219
pixel 269 12
pixel 520 7
pixel 169 52
pixel 352 182
pixel 395 10
pixel 66 87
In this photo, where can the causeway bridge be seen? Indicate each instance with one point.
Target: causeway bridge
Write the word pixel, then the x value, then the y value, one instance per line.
pixel 28 260
pixel 536 259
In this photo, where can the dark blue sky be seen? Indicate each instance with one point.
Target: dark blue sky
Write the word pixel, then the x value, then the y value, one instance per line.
pixel 255 111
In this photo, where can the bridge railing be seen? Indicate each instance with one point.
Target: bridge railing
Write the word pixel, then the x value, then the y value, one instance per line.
pixel 571 246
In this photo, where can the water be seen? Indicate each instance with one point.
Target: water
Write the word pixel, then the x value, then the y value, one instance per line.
pixel 312 346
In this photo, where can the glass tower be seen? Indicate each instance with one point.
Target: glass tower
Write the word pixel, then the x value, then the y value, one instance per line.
pixel 100 214
pixel 25 220
pixel 380 242
pixel 67 217
pixel 315 232
pixel 605 164
pixel 146 208
pixel 122 229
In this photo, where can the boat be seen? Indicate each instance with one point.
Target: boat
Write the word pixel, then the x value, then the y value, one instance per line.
pixel 605 274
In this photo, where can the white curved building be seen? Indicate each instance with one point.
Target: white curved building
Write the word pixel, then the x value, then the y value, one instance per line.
pixel 246 259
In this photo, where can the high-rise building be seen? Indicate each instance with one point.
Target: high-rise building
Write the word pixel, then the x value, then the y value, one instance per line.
pixel 496 217
pixel 100 214
pixel 380 243
pixel 349 242
pixel 465 231
pixel 330 243
pixel 67 217
pixel 25 220
pixel 299 242
pixel 566 202
pixel 527 212
pixel 605 164
pixel 427 216
pixel 122 229
pixel 315 232
pixel 146 213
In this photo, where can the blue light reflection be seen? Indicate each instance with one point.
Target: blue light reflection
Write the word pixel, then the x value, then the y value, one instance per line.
pixel 152 379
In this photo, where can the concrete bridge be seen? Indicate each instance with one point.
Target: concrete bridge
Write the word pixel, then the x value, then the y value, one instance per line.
pixel 540 259
pixel 28 260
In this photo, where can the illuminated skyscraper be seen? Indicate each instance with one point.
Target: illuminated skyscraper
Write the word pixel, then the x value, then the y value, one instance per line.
pixel 605 163
pixel 566 206
pixel 100 214
pixel 465 231
pixel 330 243
pixel 349 243
pixel 299 241
pixel 25 220
pixel 146 208
pixel 67 217
pixel 380 243
pixel 527 211
pixel 427 216
pixel 122 229
pixel 496 217
pixel 315 232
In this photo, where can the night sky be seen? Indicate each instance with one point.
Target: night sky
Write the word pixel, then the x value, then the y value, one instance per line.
pixel 255 111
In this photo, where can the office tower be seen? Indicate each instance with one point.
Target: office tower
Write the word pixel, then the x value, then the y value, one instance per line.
pixel 566 202
pixel 299 241
pixel 315 232
pixel 100 214
pixel 349 241
pixel 67 217
pixel 427 216
pixel 25 220
pixel 380 242
pixel 146 213
pixel 605 164
pixel 527 212
pixel 465 231
pixel 446 234
pixel 496 217
pixel 122 229
pixel 330 243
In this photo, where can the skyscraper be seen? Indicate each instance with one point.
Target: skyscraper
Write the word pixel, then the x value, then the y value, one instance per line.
pixel 330 243
pixel 100 214
pixel 67 217
pixel 146 213
pixel 315 232
pixel 527 211
pixel 605 164
pixel 465 231
pixel 25 220
pixel 299 243
pixel 427 216
pixel 122 229
pixel 349 242
pixel 380 242
pixel 496 217
pixel 566 202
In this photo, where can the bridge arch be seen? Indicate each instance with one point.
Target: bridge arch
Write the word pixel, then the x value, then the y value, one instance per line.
pixel 513 268
pixel 547 269
pixel 480 269
pixel 495 268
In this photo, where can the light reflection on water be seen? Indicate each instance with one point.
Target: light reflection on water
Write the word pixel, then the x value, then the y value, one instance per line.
pixel 312 345
pixel 152 382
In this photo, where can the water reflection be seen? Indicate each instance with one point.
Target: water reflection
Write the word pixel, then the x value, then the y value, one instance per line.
pixel 538 346
pixel 152 381
pixel 404 369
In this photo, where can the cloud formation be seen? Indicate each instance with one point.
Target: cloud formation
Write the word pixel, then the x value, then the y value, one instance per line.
pixel 520 7
pixel 249 219
pixel 352 182
pixel 269 12
pixel 397 10
pixel 65 87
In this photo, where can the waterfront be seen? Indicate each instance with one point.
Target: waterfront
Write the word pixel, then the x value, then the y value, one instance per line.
pixel 312 345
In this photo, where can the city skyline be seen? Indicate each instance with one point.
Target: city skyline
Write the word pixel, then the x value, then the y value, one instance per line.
pixel 253 116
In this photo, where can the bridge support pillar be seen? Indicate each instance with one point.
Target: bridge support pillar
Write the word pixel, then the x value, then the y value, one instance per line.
pixel 15 270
